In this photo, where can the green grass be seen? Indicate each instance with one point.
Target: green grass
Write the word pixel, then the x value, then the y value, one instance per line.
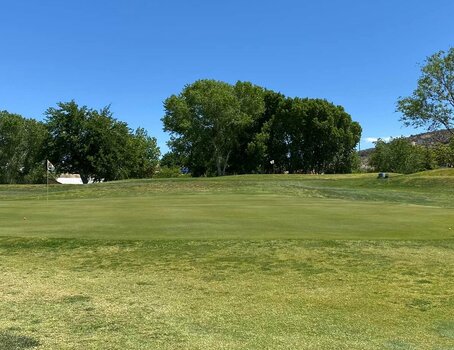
pixel 244 262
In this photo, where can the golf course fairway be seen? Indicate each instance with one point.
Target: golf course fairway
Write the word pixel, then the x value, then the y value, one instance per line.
pixel 237 262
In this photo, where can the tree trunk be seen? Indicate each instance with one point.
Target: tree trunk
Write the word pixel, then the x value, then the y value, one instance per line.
pixel 84 178
pixel 225 163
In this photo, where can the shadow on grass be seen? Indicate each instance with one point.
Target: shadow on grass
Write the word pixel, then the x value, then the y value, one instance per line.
pixel 446 329
pixel 11 341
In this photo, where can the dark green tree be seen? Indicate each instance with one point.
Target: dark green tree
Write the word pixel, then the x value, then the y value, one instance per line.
pixel 400 155
pixel 143 154
pixel 206 121
pixel 172 160
pixel 444 154
pixel 21 149
pixel 432 103
pixel 246 129
pixel 306 135
pixel 96 145
pixel 257 152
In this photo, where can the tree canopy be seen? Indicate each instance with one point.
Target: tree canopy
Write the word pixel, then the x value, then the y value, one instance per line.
pixel 21 149
pixel 75 139
pixel 432 103
pixel 312 135
pixel 400 155
pixel 206 120
pixel 96 145
pixel 218 128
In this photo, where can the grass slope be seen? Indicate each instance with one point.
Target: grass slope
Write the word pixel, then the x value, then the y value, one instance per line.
pixel 245 262
pixel 242 207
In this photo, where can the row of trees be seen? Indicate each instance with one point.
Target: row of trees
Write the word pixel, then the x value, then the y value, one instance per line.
pixel 218 128
pixel 430 106
pixel 432 103
pixel 76 139
pixel 400 155
pixel 22 151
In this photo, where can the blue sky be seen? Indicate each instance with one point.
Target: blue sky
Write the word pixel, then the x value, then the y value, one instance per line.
pixel 133 54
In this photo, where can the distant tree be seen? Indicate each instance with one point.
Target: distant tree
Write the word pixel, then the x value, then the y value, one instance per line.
pixel 400 155
pixel 432 103
pixel 444 154
pixel 21 149
pixel 143 154
pixel 96 145
pixel 216 127
pixel 206 121
pixel 307 135
pixel 172 159
pixel 259 152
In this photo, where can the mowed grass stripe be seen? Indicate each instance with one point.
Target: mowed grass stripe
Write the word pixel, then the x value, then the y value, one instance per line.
pixel 225 216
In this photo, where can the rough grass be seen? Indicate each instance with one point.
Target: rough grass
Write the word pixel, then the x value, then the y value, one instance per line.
pixel 247 262
pixel 282 294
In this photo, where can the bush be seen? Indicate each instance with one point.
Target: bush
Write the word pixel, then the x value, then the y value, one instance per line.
pixel 168 172
pixel 400 155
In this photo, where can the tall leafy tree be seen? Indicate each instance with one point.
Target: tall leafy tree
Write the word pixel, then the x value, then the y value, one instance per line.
pixel 96 145
pixel 432 103
pixel 444 154
pixel 143 154
pixel 257 152
pixel 243 128
pixel 67 147
pixel 207 119
pixel 400 155
pixel 306 135
pixel 21 149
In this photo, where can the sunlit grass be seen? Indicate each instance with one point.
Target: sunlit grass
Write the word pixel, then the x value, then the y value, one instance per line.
pixel 245 262
pixel 278 294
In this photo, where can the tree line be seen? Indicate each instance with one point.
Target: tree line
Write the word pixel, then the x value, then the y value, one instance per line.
pixel 76 139
pixel 217 128
pixel 431 106
pixel 401 155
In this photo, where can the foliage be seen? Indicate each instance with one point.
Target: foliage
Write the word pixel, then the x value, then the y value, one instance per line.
pixel 143 154
pixel 313 135
pixel 206 119
pixel 96 145
pixel 400 155
pixel 216 127
pixel 169 172
pixel 172 159
pixel 21 149
pixel 305 135
pixel 432 103
pixel 444 154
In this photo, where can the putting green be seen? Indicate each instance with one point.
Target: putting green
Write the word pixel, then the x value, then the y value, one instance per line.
pixel 224 216
pixel 343 262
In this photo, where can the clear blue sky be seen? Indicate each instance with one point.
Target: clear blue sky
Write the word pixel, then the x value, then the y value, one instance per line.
pixel 133 54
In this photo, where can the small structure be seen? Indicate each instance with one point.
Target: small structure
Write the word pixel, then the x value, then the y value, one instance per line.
pixel 382 176
pixel 69 179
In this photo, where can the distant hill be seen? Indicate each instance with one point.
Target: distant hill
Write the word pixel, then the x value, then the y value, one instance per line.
pixel 431 138
pixel 425 139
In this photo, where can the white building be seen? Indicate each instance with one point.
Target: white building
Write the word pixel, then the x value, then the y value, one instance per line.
pixel 70 179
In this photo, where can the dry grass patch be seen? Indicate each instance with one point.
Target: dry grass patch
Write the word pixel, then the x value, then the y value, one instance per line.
pixel 281 294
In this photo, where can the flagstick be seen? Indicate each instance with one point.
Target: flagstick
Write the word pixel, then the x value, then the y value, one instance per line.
pixel 47 184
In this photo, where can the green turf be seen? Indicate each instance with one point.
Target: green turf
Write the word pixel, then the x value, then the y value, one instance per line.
pixel 244 262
